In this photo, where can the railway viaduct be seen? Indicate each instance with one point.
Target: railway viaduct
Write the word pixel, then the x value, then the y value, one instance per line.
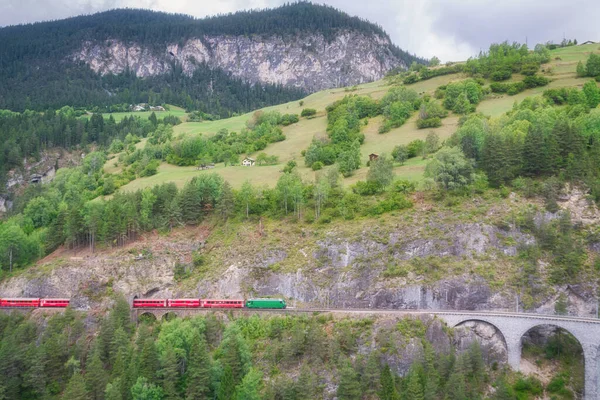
pixel 512 326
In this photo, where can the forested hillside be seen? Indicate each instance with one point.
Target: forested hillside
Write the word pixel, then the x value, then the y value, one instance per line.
pixel 37 69
pixel 254 357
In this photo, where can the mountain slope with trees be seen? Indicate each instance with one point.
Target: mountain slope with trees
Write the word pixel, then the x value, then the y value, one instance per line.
pixel 39 68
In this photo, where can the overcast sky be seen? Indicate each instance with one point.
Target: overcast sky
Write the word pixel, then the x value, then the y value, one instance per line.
pixel 450 29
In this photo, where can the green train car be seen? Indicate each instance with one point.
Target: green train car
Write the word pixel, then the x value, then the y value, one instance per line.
pixel 266 303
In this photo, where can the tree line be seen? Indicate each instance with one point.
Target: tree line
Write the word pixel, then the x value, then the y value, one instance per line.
pixel 26 135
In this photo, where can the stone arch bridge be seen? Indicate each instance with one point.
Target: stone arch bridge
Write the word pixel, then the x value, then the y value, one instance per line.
pixel 512 326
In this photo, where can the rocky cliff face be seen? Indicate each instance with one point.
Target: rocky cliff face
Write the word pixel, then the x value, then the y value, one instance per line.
pixel 308 61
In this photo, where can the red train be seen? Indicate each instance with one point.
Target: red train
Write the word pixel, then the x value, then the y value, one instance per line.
pixel 34 303
pixel 187 303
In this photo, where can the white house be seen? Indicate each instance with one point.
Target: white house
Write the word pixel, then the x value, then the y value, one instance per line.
pixel 248 162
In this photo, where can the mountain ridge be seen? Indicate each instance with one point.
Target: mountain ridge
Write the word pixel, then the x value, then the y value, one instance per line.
pixel 41 63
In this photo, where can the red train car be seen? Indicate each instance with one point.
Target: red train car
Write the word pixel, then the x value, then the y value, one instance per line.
pixel 183 303
pixel 61 303
pixel 55 302
pixel 149 303
pixel 22 302
pixel 222 303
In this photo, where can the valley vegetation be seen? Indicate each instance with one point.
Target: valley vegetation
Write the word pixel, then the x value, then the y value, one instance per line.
pixel 246 358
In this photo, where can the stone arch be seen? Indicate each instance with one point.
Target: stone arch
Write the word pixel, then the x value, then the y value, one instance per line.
pixel 169 315
pixel 554 328
pixel 491 338
pixel 147 316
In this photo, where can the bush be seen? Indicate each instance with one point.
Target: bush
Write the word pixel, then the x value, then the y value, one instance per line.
pixel 530 69
pixel 516 88
pixel 367 188
pixel 501 75
pixel 429 123
pixel 412 78
pixel 415 148
pixel 535 81
pixel 308 112
pixel 317 166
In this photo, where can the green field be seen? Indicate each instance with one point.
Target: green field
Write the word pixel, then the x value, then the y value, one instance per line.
pixel 298 136
pixel 173 110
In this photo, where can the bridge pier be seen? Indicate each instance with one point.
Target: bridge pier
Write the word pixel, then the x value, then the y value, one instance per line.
pixel 513 349
pixel 592 370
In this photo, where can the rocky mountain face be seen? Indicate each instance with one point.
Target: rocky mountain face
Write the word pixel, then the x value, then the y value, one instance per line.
pixel 439 263
pixel 307 60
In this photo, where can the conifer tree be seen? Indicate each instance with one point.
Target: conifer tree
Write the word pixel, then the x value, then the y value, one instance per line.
pixel 534 149
pixel 76 388
pixel 414 391
pixel 149 365
pixel 226 205
pixel 235 353
pixel 349 385
pixel 372 374
pixel 170 375
pixel 113 390
pixel 226 385
pixel 96 376
pixel 388 385
pixel 198 371
pixel 249 388
pixel 35 377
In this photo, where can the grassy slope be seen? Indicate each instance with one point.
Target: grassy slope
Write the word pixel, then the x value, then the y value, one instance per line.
pixel 561 70
pixel 174 110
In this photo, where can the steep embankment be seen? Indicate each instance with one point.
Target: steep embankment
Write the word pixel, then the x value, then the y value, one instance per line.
pixel 467 256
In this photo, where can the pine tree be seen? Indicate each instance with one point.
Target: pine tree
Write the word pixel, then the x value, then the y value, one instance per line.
pixel 414 391
pixel 534 153
pixel 235 353
pixel 249 388
pixel 190 202
pixel 96 376
pixel 36 376
pixel 113 390
pixel 455 387
pixel 121 315
pixel 170 375
pixel 581 72
pixel 226 385
pixel 388 386
pixel 148 364
pixel 198 371
pixel 349 385
pixel 226 205
pixel 494 159
pixel 75 389
pixel 372 374
pixel 306 384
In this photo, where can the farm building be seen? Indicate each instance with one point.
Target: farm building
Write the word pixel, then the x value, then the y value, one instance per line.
pixel 373 156
pixel 248 162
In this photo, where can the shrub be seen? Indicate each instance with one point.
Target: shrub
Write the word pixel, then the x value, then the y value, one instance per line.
pixel 429 123
pixel 317 166
pixel 415 148
pixel 367 188
pixel 308 112
pixel 501 75
pixel 535 81
pixel 530 69
pixel 412 78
